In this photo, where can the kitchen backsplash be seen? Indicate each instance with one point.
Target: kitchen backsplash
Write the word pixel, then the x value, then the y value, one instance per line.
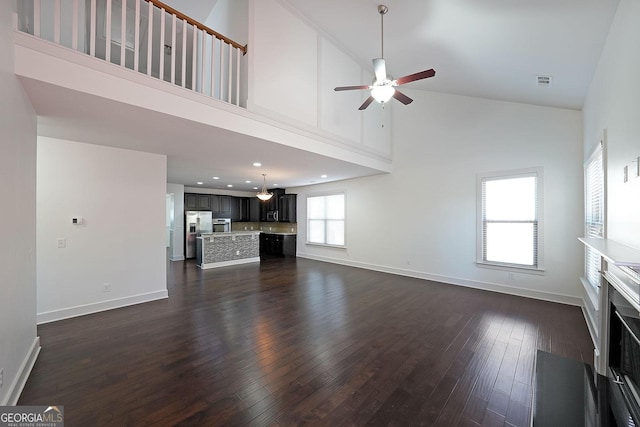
pixel 275 227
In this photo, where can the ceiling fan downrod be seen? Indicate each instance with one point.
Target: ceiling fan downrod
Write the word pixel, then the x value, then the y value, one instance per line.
pixel 382 10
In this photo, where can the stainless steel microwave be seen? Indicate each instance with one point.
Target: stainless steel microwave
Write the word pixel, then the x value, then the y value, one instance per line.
pixel 272 216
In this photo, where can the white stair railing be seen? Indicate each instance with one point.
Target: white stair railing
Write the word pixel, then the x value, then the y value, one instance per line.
pixel 147 36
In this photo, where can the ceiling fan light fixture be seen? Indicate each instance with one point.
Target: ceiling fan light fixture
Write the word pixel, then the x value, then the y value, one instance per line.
pixel 264 195
pixel 382 93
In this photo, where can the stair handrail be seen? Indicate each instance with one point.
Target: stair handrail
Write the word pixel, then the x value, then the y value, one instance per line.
pixel 199 25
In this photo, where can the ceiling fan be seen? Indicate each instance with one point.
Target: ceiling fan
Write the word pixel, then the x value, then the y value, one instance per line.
pixel 383 87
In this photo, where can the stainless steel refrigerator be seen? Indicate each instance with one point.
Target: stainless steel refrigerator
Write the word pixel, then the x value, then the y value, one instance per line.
pixel 197 223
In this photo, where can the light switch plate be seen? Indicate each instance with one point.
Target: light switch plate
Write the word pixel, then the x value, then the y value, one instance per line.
pixel 62 243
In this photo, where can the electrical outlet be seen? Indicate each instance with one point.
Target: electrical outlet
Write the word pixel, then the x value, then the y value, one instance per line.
pixel 106 287
pixel 62 243
pixel 511 276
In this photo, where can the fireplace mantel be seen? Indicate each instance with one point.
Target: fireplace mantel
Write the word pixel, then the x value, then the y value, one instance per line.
pixel 620 269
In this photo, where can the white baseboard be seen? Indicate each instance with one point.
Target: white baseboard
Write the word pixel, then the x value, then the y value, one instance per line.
pixel 228 263
pixel 81 310
pixel 178 258
pixel 494 287
pixel 23 374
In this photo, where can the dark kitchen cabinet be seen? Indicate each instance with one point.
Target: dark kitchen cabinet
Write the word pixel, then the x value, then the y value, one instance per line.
pixel 254 209
pixel 277 245
pixel 287 208
pixel 237 209
pixel 197 202
pixel 221 206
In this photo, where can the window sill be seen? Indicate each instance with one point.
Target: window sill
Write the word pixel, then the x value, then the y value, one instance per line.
pixel 325 245
pixel 526 270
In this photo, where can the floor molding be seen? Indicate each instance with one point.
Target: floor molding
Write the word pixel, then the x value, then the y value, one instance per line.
pixel 487 286
pixel 23 374
pixel 81 310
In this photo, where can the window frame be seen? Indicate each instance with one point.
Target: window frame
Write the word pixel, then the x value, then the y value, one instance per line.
pixel 590 256
pixel 344 220
pixel 481 261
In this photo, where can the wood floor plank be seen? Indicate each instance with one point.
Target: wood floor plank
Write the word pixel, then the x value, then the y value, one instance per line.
pixel 295 342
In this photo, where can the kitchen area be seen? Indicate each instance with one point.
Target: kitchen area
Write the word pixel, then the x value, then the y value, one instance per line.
pixel 223 230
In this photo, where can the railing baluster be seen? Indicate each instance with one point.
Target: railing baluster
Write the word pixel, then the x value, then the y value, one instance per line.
pixel 229 90
pixel 213 68
pixel 194 51
pixel 203 65
pixel 149 38
pixel 123 33
pixel 221 69
pixel 136 38
pixel 74 30
pixel 107 37
pixel 183 73
pixel 36 18
pixel 56 21
pixel 238 58
pixel 92 35
pixel 173 48
pixel 162 24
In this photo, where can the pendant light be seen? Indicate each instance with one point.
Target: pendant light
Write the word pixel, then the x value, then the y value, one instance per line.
pixel 264 195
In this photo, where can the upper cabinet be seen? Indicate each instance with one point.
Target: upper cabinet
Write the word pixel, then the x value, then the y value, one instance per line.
pixel 221 206
pixel 197 202
pixel 245 209
pixel 287 208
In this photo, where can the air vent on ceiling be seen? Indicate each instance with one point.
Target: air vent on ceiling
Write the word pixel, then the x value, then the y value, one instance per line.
pixel 544 81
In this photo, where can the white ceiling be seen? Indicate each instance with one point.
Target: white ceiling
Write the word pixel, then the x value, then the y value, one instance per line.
pixel 491 49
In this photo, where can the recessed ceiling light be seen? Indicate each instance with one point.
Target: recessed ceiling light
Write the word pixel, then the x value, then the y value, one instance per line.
pixel 257 164
pixel 229 185
pixel 255 188
pixel 275 185
pixel 216 177
pixel 248 182
pixel 323 176
pixel 199 183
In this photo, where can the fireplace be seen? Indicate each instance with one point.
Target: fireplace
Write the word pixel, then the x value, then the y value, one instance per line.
pixel 623 370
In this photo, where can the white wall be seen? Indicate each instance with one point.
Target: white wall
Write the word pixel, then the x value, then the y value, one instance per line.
pixel 121 196
pixel 613 104
pixel 293 70
pixel 231 19
pixel 19 344
pixel 421 219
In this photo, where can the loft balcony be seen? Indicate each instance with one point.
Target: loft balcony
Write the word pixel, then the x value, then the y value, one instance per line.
pixel 139 74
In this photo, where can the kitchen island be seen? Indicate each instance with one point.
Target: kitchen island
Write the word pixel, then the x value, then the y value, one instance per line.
pixel 224 249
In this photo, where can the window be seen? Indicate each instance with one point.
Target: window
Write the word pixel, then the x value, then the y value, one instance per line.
pixel 510 219
pixel 325 219
pixel 594 212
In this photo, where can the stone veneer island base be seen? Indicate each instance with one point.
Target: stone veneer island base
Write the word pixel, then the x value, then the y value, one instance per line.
pixel 224 249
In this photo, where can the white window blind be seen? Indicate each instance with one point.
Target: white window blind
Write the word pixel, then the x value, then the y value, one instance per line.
pixel 325 219
pixel 594 212
pixel 510 217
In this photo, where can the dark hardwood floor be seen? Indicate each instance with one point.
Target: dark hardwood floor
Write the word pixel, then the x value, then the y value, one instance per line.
pixel 293 342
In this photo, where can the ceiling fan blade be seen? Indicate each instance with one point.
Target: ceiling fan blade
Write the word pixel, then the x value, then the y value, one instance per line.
pixel 417 76
pixel 380 68
pixel 402 97
pixel 351 87
pixel 366 103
